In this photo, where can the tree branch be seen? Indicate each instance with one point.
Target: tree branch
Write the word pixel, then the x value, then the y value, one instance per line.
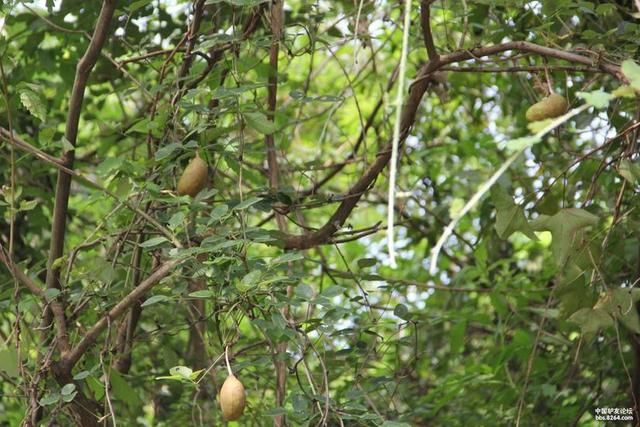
pixel 20 275
pixel 425 21
pixel 416 91
pixel 58 226
pixel 70 358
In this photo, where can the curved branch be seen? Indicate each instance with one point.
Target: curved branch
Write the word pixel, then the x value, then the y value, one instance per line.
pixel 416 91
pixel 425 21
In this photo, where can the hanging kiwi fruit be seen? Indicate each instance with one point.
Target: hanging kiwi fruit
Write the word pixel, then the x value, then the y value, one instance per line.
pixel 552 106
pixel 232 398
pixel 194 178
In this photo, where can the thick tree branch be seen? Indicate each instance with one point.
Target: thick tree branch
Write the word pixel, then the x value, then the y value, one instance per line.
pixel 276 18
pixel 58 226
pixel 427 35
pixel 521 46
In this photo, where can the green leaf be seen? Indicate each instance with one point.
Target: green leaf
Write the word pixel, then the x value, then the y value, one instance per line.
pixel 286 258
pixel 66 145
pixel 524 142
pixel 176 220
pixel 81 375
pixel 250 280
pixel 625 91
pixel 457 336
pixel 367 262
pixel 69 397
pixel 27 205
pixel 155 299
pixel 68 389
pixel 247 203
pixel 631 71
pixel 51 293
pixel 137 5
pixel 260 122
pixel 563 226
pixel 49 399
pixel 181 371
pixel 205 293
pixel 218 213
pixel 142 126
pixel 124 392
pixel 166 151
pixel 154 241
pixel 629 171
pixel 620 304
pixel 598 98
pixel 401 311
pixel 509 216
pixel 9 362
pixel 33 102
pixel 591 320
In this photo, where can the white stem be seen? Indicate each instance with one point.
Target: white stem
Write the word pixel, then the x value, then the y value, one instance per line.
pixel 396 135
pixel 226 359
pixel 489 183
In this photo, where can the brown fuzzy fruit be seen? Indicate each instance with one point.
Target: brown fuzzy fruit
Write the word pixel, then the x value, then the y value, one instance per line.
pixel 194 178
pixel 232 398
pixel 552 106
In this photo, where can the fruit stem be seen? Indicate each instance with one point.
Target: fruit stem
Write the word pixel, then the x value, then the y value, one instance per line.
pixel 226 358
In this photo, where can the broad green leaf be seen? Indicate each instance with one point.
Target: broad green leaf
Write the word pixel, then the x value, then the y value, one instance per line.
pixel 137 5
pixel 250 280
pixel 9 362
pixel 33 102
pixel 205 293
pixel 154 241
pixel 182 371
pixel 49 399
pixel 598 98
pixel 631 71
pixel 124 392
pixel 166 150
pixel 247 203
pixel 401 311
pixel 620 305
pixel 563 227
pixel 625 91
pixel 286 258
pixel 81 375
pixel 524 142
pixel 367 262
pixel 591 320
pixel 509 216
pixel 155 299
pixel 260 122
pixel 66 145
pixel 69 397
pixel 629 171
pixel 68 389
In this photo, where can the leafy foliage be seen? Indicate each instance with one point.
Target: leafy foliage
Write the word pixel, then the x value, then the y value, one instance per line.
pixel 530 318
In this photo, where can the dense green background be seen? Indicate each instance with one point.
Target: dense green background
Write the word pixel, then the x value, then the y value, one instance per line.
pixel 529 317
